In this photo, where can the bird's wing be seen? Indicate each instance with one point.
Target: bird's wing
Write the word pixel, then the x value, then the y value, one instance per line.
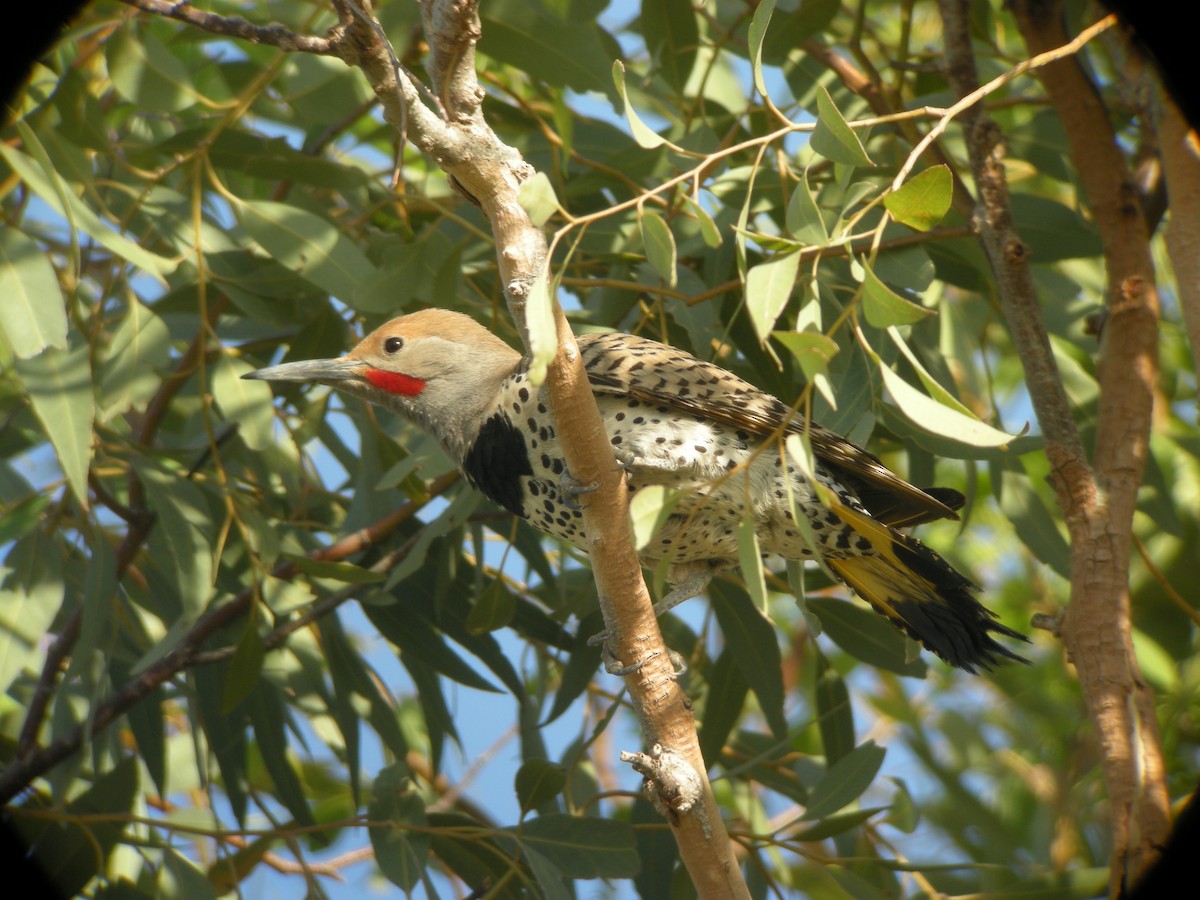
pixel 641 369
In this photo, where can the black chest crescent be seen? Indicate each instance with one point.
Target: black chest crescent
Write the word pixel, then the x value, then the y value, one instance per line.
pixel 496 462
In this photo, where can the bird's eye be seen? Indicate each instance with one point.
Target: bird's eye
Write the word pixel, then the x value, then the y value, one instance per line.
pixel 393 344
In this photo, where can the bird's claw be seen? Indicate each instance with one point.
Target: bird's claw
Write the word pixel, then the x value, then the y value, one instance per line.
pixel 571 488
pixel 612 665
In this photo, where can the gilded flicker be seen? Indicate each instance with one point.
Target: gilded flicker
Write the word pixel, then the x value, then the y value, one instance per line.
pixel 678 421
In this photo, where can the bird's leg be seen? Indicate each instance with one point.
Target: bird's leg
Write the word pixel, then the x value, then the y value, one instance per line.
pixel 691 586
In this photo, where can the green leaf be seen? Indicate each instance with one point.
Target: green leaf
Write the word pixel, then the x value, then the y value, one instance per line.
pixel 131 365
pixel 247 405
pixel 561 53
pixel 59 386
pixel 835 716
pixel 29 600
pixel 583 846
pixel 101 611
pixel 833 138
pixel 21 518
pixel 268 717
pixel 752 639
pixel 399 827
pixel 539 321
pixel 536 196
pixel 856 885
pixel 803 219
pixel 537 782
pixel 708 227
pixel 923 200
pixel 845 780
pixel 883 307
pixel 866 635
pixel 791 29
pixel 750 560
pixel 1035 525
pixel 660 246
pixel 937 418
pixel 245 668
pixel 811 349
pixel 579 670
pixel 643 134
pixel 180 545
pixel 46 183
pixel 903 814
pixel 335 571
pixel 939 393
pixel 1053 230
pixel 418 642
pixel 838 823
pixel 672 37
pixel 147 74
pixel 758 30
pixel 308 245
pixel 768 289
pixel 722 704
pixel 33 315
pixel 493 609
pixel 74 844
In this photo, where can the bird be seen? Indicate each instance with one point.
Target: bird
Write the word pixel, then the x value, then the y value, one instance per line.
pixel 687 424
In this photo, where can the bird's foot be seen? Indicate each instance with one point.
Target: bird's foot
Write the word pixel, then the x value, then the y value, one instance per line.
pixel 614 666
pixel 625 459
pixel 572 488
pixel 693 585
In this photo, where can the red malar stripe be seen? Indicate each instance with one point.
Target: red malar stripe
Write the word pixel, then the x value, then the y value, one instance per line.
pixel 395 382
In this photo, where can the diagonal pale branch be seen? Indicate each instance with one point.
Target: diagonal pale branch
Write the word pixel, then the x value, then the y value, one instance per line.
pixel 490 174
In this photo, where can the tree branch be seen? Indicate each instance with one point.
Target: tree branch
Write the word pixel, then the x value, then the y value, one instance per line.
pixel 274 35
pixel 1098 504
pixel 1180 148
pixel 1098 630
pixel 491 174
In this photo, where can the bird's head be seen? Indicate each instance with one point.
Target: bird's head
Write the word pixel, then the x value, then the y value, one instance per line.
pixel 438 368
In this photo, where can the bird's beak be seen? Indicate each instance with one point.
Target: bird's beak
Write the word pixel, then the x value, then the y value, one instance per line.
pixel 333 372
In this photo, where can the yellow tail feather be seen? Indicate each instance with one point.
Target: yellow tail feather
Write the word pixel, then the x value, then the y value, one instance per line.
pixel 921 593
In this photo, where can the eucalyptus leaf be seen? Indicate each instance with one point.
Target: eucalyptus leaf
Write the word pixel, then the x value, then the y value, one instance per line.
pixel 660 246
pixel 399 831
pixel 645 136
pixel 768 289
pixel 32 315
pixel 923 200
pixel 59 386
pixel 845 780
pixel 833 138
pixel 583 846
pixel 309 245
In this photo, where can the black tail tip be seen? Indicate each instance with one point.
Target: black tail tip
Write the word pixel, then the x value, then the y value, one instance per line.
pixel 960 633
